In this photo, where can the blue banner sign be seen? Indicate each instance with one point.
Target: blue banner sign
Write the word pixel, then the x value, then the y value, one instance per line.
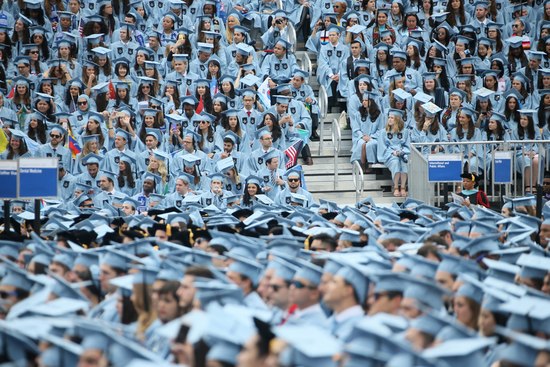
pixel 8 179
pixel 37 178
pixel 444 168
pixel 503 167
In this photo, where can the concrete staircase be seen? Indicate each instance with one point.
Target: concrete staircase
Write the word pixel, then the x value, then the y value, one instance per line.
pixel 320 178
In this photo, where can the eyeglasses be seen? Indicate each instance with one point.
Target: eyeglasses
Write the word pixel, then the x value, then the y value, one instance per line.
pixel 55 136
pixel 515 25
pixel 293 179
pixel 299 285
pixel 80 103
pixel 5 294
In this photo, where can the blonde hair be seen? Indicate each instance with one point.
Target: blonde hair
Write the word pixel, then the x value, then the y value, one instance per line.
pixel 162 170
pixel 229 31
pixel 144 307
pixel 397 127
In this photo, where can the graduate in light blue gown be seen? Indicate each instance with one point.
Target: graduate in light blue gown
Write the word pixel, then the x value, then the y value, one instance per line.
pixel 466 131
pixel 366 124
pixel 394 150
pixel 527 154
pixel 427 128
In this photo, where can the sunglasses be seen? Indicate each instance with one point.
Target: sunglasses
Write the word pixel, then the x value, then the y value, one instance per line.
pixel 293 179
pixel 4 294
pixel 299 285
pixel 55 136
pixel 80 103
pixel 33 52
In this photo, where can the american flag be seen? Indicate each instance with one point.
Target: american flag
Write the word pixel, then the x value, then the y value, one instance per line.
pixel 80 27
pixel 292 153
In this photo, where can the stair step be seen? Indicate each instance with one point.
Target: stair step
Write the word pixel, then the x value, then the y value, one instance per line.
pixel 346 178
pixel 328 186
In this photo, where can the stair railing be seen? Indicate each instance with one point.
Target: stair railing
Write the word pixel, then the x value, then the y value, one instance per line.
pixel 336 141
pixel 323 108
pixel 358 180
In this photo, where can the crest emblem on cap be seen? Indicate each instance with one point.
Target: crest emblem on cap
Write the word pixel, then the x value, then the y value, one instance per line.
pixel 329 53
pixel 119 50
pixel 178 203
pixel 288 199
pixel 338 53
pixel 208 201
pixel 66 184
pixel 130 51
pixel 193 10
pixel 117 160
pixel 293 110
pixel 238 186
pixel 277 67
pixel 160 5
pixel 260 160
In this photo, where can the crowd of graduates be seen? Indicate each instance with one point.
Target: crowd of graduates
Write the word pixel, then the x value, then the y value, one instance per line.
pixel 183 232
pixel 268 286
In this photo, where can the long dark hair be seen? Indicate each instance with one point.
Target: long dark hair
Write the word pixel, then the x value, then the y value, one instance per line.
pixel 471 129
pixel 276 131
pixel 37 134
pixel 126 176
pixel 22 149
pixel 541 113
pixel 529 131
pixel 498 135
pixel 247 200
pixel 373 111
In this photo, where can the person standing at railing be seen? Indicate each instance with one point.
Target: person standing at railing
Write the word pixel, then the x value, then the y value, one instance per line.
pixel 394 150
pixel 527 155
pixel 465 131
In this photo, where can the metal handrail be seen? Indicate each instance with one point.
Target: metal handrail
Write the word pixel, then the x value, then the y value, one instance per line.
pixel 322 99
pixel 336 140
pixel 358 180
pixel 292 37
pixel 303 61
